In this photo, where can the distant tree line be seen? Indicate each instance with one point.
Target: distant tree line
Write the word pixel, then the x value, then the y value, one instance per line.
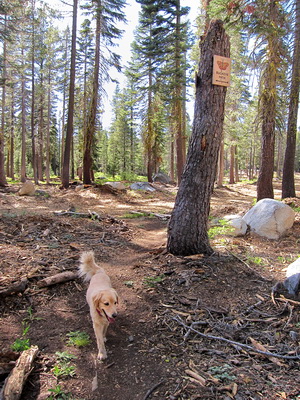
pixel 53 79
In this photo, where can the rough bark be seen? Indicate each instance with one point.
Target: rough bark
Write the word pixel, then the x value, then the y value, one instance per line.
pixel 187 233
pixel 288 181
pixel 3 181
pixel 69 134
pixel 23 118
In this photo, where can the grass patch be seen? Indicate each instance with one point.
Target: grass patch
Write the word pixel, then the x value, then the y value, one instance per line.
pixel 63 368
pixel 58 393
pixel 78 339
pixel 138 215
pixel 152 281
pixel 255 260
pixel 23 343
pixel 222 228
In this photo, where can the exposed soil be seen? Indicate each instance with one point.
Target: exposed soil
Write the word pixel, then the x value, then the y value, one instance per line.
pixel 178 316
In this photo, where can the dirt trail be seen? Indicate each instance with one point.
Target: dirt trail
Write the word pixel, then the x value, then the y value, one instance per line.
pixel 227 295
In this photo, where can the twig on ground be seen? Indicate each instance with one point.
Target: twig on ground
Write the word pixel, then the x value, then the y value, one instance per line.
pixel 150 391
pixel 238 344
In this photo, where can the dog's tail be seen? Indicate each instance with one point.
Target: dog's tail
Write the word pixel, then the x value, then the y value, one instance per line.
pixel 88 267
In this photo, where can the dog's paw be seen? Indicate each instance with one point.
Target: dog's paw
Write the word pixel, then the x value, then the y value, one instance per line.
pixel 102 355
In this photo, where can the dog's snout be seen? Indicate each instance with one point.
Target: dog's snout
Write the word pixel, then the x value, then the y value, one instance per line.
pixel 114 315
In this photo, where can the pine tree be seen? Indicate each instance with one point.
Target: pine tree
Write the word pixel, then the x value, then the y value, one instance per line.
pixel 69 133
pixel 160 46
pixel 288 180
pixel 107 13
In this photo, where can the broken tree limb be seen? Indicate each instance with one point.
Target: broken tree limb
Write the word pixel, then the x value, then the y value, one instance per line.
pixel 15 382
pixel 58 278
pixel 237 344
pixel 17 287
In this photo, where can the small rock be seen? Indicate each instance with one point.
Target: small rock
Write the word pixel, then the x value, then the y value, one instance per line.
pixel 27 189
pixel 142 186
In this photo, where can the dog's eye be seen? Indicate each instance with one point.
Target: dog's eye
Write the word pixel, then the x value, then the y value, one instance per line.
pixel 106 304
pixel 116 302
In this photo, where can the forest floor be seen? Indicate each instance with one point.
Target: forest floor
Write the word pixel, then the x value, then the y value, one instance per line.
pixel 188 327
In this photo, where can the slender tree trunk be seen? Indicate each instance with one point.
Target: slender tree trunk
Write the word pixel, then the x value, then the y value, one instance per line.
pixel 178 99
pixel 40 158
pixel 232 163
pixel 221 163
pixel 63 125
pixel 172 167
pixel 23 119
pixel 48 130
pixel 12 138
pixel 33 139
pixel 150 133
pixel 268 110
pixel 236 166
pixel 187 233
pixel 2 136
pixel 91 121
pixel 69 133
pixel 288 180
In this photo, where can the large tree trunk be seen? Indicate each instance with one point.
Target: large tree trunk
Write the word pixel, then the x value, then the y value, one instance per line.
pixel 67 151
pixel 288 181
pixel 187 233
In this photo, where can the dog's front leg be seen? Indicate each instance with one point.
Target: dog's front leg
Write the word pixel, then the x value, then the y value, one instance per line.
pixel 99 332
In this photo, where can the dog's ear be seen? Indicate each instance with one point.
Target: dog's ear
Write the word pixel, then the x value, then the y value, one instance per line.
pixel 97 298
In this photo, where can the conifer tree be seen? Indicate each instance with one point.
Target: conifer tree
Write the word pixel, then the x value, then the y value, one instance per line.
pixel 288 180
pixel 160 44
pixel 107 14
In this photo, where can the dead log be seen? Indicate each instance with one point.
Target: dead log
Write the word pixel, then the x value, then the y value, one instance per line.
pixel 17 287
pixel 58 278
pixel 15 382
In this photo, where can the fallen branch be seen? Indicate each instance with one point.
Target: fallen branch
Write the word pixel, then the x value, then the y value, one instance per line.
pixel 58 278
pixel 152 390
pixel 18 287
pixel 238 344
pixel 15 382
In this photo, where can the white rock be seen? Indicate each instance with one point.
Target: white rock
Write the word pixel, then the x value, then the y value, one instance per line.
pixel 116 185
pixel 270 218
pixel 142 186
pixel 239 225
pixel 293 268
